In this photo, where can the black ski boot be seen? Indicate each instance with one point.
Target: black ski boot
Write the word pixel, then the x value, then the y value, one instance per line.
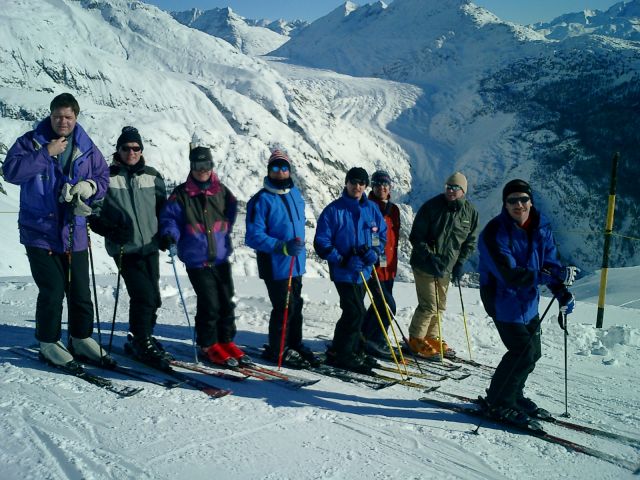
pixel 159 346
pixel 352 362
pixel 529 407
pixel 306 353
pixel 509 415
pixel 290 357
pixel 144 349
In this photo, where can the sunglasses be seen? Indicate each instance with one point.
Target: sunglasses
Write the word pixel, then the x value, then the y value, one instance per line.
pixel 362 183
pixel 381 184
pixel 516 200
pixel 279 168
pixel 454 188
pixel 127 149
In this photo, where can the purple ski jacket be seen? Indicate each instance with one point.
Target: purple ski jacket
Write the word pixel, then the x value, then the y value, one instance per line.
pixel 44 222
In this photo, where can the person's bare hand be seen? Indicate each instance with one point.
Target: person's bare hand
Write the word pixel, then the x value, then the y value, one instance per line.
pixel 57 146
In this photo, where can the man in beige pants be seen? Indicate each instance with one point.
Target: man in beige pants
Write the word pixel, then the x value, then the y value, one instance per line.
pixel 443 236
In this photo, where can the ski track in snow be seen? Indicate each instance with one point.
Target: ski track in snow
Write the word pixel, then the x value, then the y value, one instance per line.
pixel 60 427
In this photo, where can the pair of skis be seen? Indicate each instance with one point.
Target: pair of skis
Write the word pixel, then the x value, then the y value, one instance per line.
pixel 471 408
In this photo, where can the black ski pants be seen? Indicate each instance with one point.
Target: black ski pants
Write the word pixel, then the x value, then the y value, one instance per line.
pixel 215 315
pixel 57 275
pixel 141 274
pixel 523 351
pixel 278 295
pixel 370 326
pixel 346 336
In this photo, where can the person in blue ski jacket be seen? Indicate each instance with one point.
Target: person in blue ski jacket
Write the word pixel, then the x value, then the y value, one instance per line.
pixel 517 255
pixel 350 235
pixel 196 224
pixel 60 172
pixel 275 229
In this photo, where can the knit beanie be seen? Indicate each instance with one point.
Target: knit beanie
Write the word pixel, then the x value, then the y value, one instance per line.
pixel 379 177
pixel 514 186
pixel 458 179
pixel 357 174
pixel 200 158
pixel 129 135
pixel 278 157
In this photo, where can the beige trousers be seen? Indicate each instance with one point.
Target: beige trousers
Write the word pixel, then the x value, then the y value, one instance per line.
pixel 425 319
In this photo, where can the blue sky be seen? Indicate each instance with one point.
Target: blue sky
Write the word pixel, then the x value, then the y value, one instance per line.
pixel 521 11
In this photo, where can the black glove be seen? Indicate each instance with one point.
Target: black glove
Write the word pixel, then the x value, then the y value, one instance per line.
pixel 101 226
pixel 456 273
pixel 166 241
pixel 437 264
pixel 121 235
pixel 369 257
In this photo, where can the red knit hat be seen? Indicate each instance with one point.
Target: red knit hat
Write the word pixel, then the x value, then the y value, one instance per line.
pixel 279 157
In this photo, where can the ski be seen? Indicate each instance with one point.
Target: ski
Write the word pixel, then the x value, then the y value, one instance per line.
pixel 138 375
pixel 335 372
pixel 633 442
pixel 253 370
pixel 534 430
pixel 200 368
pixel 204 387
pixel 78 371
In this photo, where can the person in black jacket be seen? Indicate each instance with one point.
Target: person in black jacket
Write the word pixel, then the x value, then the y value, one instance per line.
pixel 128 219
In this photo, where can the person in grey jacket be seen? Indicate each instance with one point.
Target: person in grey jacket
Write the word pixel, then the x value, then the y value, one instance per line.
pixel 128 219
pixel 443 235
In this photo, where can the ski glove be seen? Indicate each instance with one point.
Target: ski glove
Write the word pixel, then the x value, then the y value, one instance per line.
pixel 456 273
pixel 566 301
pixel 355 264
pixel 293 247
pixel 563 275
pixel 165 242
pixel 84 189
pixel 438 265
pixel 369 257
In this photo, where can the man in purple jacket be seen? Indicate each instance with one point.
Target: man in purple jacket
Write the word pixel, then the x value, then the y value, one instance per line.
pixel 60 172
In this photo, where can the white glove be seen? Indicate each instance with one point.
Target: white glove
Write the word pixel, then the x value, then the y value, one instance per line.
pixel 84 189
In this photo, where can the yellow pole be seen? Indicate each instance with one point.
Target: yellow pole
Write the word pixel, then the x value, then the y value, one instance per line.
pixel 607 241
pixel 384 331
pixel 393 330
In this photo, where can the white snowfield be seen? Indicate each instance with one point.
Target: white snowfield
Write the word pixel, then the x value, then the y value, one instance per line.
pixel 59 427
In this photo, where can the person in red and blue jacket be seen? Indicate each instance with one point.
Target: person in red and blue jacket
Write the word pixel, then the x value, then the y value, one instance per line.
pixel 60 172
pixel 275 229
pixel 196 224
pixel 386 268
pixel 351 234
pixel 517 254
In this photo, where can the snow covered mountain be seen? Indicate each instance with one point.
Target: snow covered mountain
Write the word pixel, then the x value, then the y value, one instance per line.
pixel 457 89
pixel 500 101
pixel 621 20
pixel 248 36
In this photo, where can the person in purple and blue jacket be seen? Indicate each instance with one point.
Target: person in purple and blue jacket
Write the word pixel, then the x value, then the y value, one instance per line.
pixel 350 235
pixel 196 224
pixel 60 172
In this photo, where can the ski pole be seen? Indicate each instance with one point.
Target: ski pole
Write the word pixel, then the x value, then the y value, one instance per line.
pixel 464 319
pixel 95 291
pixel 184 306
pixel 515 364
pixel 115 306
pixel 435 287
pixel 405 340
pixel 384 330
pixel 562 320
pixel 388 310
pixel 286 314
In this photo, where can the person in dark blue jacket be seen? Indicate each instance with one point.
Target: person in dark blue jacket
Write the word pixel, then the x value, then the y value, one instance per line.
pixel 351 233
pixel 275 229
pixel 517 254
pixel 61 172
